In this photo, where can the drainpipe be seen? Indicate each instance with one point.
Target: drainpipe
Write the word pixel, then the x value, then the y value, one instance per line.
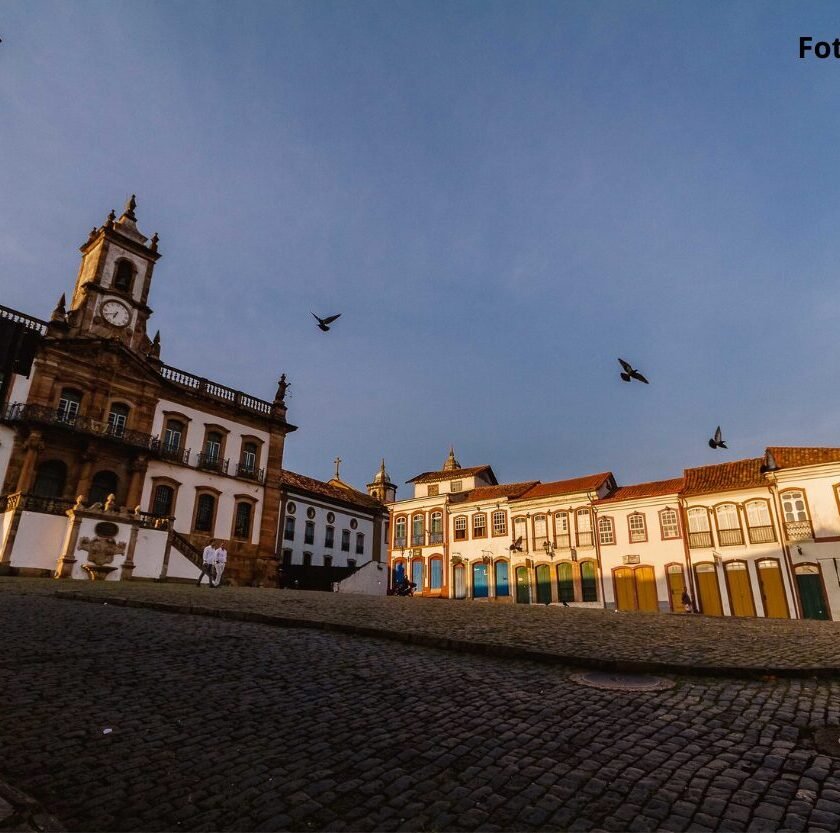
pixel 597 551
pixel 687 551
pixel 774 490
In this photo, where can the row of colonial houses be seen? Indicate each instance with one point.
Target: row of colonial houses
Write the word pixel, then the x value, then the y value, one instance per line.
pixel 755 537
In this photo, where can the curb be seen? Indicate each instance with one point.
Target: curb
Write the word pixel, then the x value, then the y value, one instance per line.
pixel 459 645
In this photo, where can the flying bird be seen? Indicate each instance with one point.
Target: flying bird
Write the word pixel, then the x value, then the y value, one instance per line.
pixel 629 373
pixel 717 440
pixel 324 323
pixel 516 546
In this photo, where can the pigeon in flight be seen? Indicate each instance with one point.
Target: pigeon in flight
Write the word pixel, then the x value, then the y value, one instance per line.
pixel 516 546
pixel 324 323
pixel 629 373
pixel 717 441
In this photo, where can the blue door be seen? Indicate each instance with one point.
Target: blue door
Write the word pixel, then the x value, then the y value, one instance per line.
pixel 502 579
pixel 417 574
pixel 399 574
pixel 435 574
pixel 479 581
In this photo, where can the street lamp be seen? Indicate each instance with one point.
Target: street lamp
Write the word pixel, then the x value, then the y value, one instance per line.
pixel 549 549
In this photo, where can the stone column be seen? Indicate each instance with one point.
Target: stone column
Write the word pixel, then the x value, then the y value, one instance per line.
pixel 34 445
pixel 83 486
pixel 135 488
pixel 64 568
pixel 128 565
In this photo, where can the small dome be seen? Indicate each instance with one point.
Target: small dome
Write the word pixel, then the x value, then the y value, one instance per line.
pixel 382 476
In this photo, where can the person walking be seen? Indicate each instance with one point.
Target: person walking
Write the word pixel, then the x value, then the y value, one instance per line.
pixel 688 605
pixel 221 562
pixel 208 563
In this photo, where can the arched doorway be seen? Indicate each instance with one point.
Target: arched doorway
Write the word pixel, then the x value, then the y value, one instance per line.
pixel 523 588
pixel 502 578
pixel 398 577
pixel 772 589
pixel 565 582
pixel 809 583
pixel 625 588
pixel 50 478
pixel 459 575
pixel 480 584
pixel 417 574
pixel 543 584
pixel 676 587
pixel 740 592
pixel 708 590
pixel 588 581
pixel 646 589
pixel 104 483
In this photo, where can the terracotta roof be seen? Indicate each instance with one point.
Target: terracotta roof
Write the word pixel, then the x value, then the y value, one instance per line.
pixel 452 474
pixel 566 487
pixel 503 490
pixel 788 458
pixel 653 489
pixel 725 477
pixel 334 490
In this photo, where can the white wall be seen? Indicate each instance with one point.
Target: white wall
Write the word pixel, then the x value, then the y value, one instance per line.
pixel 181 567
pixel 149 552
pixel 39 540
pixel 369 580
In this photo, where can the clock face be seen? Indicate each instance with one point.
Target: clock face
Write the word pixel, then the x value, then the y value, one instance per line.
pixel 115 313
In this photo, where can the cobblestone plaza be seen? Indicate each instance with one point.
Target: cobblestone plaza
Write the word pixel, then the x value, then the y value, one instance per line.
pixel 219 724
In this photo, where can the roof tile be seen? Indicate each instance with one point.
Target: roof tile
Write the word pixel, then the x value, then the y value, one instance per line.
pixel 566 487
pixel 793 457
pixel 640 490
pixel 452 474
pixel 725 477
pixel 343 493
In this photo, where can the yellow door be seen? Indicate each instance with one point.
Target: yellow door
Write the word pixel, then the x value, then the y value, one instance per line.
pixel 646 589
pixel 772 589
pixel 625 589
pixel 740 592
pixel 676 585
pixel 708 590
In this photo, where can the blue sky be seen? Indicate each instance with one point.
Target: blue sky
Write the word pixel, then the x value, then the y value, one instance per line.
pixel 501 198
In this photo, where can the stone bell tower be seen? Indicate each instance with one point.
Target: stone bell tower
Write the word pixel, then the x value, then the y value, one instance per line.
pixel 112 288
pixel 382 488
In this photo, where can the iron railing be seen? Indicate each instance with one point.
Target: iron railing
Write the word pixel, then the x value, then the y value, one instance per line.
pixel 250 472
pixel 584 539
pixel 700 540
pixel 183 545
pixel 731 537
pixel 212 462
pixel 176 454
pixel 761 534
pixel 434 538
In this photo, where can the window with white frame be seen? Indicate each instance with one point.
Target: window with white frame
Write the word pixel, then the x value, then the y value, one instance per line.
pixel 500 522
pixel 461 528
pixel 699 528
pixel 417 531
pixel 540 530
pixel 479 525
pixel 456 486
pixel 669 523
pixel 638 527
pixel 400 525
pixel 794 507
pixel 759 524
pixel 606 531
pixel 729 525
pixel 436 532
pixel 584 528
pixel 561 529
pixel 520 531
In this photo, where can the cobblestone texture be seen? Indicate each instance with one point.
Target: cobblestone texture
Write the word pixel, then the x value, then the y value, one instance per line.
pixel 591 638
pixel 225 725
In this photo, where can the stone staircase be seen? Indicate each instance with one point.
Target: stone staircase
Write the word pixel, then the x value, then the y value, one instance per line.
pixel 183 545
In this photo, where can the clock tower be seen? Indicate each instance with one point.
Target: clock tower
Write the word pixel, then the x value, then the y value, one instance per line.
pixel 112 288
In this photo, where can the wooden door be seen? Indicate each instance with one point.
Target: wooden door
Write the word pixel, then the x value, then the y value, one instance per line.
pixel 479 573
pixel 708 589
pixel 740 591
pixel 565 582
pixel 625 588
pixel 543 584
pixel 646 589
pixel 523 589
pixel 460 581
pixel 772 589
pixel 676 586
pixel 811 592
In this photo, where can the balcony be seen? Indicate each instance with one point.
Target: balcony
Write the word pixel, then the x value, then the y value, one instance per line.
pixel 212 462
pixel 250 472
pixel 798 530
pixel 417 540
pixel 564 542
pixel 435 538
pixel 175 453
pixel 700 540
pixel 584 539
pixel 761 534
pixel 400 542
pixel 731 537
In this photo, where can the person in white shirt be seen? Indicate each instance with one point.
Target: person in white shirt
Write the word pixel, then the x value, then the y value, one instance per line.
pixel 221 562
pixel 208 563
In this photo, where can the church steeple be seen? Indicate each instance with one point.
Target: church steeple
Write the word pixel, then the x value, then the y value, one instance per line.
pixel 110 299
pixel 451 463
pixel 382 488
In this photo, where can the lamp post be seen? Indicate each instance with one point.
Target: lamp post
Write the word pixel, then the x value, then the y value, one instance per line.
pixel 549 549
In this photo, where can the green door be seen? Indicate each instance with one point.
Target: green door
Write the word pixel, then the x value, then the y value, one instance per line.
pixel 543 584
pixel 523 590
pixel 810 592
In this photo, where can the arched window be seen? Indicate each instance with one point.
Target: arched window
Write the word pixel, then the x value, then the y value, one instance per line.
pixel 729 525
pixel 606 531
pixel 417 531
pixel 759 524
pixel 104 483
pixel 668 524
pixel 124 275
pixel 205 509
pixel 699 530
pixel 117 418
pixel 163 500
pixel 436 536
pixel 50 478
pixel 68 405
pixel 588 581
pixel 242 520
pixel 400 532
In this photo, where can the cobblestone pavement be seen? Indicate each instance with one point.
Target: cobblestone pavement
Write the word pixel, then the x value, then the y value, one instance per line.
pixel 657 642
pixel 227 725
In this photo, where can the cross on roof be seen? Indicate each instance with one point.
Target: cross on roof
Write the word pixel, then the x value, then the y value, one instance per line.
pixel 337 462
